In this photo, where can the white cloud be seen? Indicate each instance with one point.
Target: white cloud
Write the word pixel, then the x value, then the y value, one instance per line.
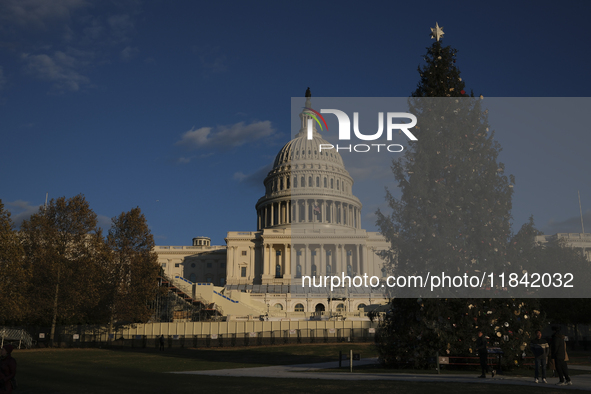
pixel 61 69
pixel 226 136
pixel 121 26
pixel 185 160
pixel 570 225
pixel 254 179
pixel 21 210
pixel 240 176
pixel 215 64
pixel 37 13
pixel 129 53
pixel 104 222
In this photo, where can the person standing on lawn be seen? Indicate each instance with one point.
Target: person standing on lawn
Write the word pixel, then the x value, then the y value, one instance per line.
pixel 482 347
pixel 540 348
pixel 558 353
pixel 7 369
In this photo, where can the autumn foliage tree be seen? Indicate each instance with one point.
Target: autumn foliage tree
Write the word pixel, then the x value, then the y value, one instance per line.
pixel 133 267
pixel 76 274
pixel 61 243
pixel 14 275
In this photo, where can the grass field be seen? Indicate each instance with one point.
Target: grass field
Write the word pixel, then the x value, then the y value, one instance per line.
pixel 80 371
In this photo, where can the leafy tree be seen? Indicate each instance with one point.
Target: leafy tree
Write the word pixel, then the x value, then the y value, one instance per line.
pixel 133 268
pixel 13 302
pixel 61 243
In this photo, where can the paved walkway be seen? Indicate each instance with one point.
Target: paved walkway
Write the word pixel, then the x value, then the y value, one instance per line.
pixel 309 371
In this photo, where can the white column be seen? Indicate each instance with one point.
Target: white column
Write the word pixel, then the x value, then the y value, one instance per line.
pixel 366 264
pixel 339 259
pixel 287 271
pixel 251 252
pixel 322 260
pixel 265 259
pixel 357 257
pixel 272 214
pixel 230 262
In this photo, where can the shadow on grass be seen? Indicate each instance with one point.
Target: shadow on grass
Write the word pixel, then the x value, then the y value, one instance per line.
pixel 216 358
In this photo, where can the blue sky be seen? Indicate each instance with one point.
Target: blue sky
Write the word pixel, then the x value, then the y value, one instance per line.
pixel 179 107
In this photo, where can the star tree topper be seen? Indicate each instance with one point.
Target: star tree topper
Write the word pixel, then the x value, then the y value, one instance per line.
pixel 437 32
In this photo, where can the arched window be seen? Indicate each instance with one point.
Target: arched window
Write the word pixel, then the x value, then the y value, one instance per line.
pixel 299 308
pixel 287 180
pixel 325 182
pixel 317 181
pixel 281 184
pixel 319 308
pixel 298 271
pixel 349 270
pixel 337 184
pixel 313 269
pixel 332 183
pixel 278 271
pixel 341 307
pixel 309 181
pixel 360 307
pixel 328 269
pixel 279 307
pixel 193 278
pixel 295 181
pixel 303 183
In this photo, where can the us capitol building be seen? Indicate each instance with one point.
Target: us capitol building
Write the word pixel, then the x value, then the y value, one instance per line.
pixel 308 223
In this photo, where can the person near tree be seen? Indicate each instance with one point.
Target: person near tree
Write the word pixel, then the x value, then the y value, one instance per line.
pixel 7 369
pixel 161 340
pixel 482 347
pixel 540 349
pixel 558 353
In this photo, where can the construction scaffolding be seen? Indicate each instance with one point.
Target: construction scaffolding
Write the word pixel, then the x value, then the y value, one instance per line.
pixel 180 303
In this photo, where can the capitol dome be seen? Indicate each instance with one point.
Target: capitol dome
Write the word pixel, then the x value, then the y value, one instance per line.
pixel 308 185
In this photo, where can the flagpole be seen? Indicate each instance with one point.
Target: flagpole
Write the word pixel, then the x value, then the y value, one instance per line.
pixel 581 212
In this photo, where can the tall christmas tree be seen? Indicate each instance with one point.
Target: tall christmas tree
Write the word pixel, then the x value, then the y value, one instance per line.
pixel 454 212
pixel 453 216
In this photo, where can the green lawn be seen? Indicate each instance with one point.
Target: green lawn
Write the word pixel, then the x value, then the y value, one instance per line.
pixel 80 371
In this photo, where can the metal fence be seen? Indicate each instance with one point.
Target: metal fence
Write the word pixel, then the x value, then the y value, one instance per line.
pixel 85 338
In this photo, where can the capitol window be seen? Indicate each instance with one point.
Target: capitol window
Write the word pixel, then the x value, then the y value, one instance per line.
pixel 298 308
